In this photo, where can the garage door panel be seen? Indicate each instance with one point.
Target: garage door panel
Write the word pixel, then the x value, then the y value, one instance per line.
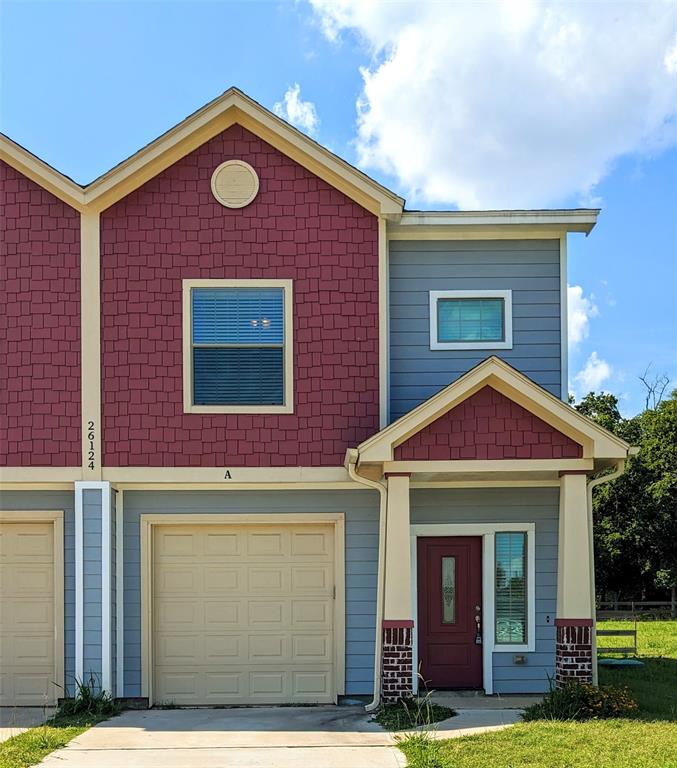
pixel 316 544
pixel 272 544
pixel 216 579
pixel 311 613
pixel 243 635
pixel 268 580
pixel 311 683
pixel 311 579
pixel 27 617
pixel 222 544
pixel 225 649
pixel 314 648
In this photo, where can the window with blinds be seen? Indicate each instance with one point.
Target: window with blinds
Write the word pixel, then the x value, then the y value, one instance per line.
pixel 480 319
pixel 511 588
pixel 460 320
pixel 238 338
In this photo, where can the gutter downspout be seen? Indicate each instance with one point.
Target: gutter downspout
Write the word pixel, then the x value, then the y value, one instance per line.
pixel 352 456
pixel 592 484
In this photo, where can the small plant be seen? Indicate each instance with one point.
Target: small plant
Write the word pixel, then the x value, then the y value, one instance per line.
pixel 412 712
pixel 89 701
pixel 582 701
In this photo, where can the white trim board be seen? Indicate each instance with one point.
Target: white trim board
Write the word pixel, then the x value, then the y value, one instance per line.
pixel 506 343
pixel 119 595
pixel 487 531
pixel 564 319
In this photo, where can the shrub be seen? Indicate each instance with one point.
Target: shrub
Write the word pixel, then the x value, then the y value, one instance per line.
pixel 582 701
pixel 89 700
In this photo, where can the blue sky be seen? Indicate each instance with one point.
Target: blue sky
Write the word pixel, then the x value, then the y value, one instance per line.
pixel 461 106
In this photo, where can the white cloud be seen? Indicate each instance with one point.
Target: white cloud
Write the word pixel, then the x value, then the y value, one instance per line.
pixel 579 310
pixel 300 113
pixel 593 374
pixel 499 104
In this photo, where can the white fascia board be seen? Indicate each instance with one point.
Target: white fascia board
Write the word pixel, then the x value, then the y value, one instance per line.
pixel 570 220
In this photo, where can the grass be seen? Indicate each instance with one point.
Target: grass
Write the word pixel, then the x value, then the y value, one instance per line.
pixel 86 708
pixel 551 744
pixel 411 713
pixel 647 740
pixel 29 747
pixel 654 686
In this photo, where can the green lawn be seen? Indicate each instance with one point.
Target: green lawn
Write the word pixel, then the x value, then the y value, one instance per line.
pixel 648 740
pixel 29 747
pixel 654 685
pixel 550 744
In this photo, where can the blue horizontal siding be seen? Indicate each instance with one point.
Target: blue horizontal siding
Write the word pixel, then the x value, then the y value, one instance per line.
pixel 530 268
pixel 361 554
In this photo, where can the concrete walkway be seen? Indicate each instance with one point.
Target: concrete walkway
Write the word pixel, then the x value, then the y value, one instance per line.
pixel 16 720
pixel 264 737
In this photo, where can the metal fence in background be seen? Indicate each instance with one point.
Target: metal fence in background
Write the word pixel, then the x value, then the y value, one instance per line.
pixel 636 609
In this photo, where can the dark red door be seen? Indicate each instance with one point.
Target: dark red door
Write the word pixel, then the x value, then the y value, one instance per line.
pixel 449 599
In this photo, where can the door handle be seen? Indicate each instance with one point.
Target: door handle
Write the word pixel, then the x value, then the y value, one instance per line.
pixel 478 625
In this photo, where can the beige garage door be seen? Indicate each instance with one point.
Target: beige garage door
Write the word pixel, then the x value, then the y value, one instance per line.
pixel 243 614
pixel 27 670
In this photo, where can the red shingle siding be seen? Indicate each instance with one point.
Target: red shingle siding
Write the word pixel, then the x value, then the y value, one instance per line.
pixel 298 227
pixel 39 326
pixel 488 425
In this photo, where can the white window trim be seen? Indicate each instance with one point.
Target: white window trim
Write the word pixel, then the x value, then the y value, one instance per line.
pixel 287 286
pixel 488 533
pixel 507 319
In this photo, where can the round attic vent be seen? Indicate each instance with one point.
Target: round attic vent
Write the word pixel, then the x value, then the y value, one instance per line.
pixel 235 184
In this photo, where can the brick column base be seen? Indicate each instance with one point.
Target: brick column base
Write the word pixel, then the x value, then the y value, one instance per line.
pixel 573 652
pixel 396 662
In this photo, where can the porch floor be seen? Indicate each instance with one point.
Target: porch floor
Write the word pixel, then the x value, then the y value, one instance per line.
pixel 479 700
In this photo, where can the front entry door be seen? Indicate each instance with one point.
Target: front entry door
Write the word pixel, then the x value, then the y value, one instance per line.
pixel 449 609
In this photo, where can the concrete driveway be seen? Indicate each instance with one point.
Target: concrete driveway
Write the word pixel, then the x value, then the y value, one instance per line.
pixel 265 737
pixel 16 720
pixel 274 737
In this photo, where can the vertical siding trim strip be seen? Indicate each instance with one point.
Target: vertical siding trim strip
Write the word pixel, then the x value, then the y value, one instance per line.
pixel 90 363
pixel 384 325
pixel 120 595
pixel 106 563
pixel 564 317
pixel 79 583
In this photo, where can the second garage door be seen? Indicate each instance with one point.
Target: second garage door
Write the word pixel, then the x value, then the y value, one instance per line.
pixel 243 614
pixel 27 615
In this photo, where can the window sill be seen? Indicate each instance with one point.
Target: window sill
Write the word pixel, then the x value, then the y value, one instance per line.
pixel 528 648
pixel 470 345
pixel 242 409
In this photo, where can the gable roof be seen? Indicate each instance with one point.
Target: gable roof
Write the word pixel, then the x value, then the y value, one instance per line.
pixel 596 441
pixel 231 107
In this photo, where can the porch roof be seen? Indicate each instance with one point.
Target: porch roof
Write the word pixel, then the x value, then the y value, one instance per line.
pixel 596 447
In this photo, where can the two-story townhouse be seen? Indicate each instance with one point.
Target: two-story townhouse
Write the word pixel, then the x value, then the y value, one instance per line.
pixel 268 437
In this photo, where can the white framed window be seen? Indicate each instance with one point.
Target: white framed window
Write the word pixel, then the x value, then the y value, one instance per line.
pixel 238 346
pixel 511 611
pixel 471 319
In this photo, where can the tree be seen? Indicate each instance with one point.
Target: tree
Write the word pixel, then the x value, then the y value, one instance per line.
pixel 635 516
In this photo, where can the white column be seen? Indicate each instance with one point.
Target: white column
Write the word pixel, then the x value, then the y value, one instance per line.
pixel 397 603
pixel 574 563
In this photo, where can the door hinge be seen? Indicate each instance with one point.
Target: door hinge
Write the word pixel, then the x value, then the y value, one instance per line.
pixel 333 596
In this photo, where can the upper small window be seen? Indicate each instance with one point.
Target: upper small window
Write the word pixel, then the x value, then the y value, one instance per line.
pixel 471 319
pixel 238 353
